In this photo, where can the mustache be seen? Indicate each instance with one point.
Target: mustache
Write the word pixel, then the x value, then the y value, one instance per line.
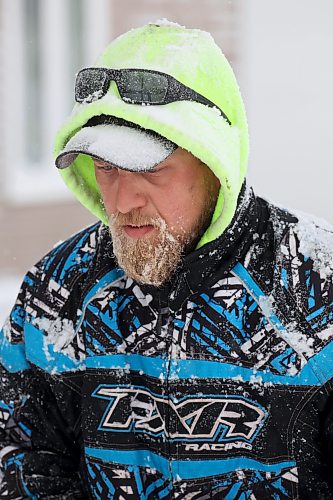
pixel 135 218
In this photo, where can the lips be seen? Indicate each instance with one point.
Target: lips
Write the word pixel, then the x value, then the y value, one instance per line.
pixel 137 231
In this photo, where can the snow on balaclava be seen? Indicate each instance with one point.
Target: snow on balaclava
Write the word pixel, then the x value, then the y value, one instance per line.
pixel 193 58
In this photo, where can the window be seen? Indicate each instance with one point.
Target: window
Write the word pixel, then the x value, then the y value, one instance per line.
pixel 44 43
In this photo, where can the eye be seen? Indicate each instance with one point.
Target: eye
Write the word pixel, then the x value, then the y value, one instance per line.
pixel 103 166
pixel 156 172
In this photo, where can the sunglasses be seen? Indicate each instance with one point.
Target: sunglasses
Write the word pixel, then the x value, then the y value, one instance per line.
pixel 136 86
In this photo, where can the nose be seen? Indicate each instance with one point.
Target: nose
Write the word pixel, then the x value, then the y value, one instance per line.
pixel 129 192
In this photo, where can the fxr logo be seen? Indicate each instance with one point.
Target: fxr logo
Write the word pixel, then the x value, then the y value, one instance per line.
pixel 192 418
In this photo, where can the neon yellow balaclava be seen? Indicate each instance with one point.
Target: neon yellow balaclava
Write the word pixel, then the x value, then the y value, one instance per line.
pixel 192 57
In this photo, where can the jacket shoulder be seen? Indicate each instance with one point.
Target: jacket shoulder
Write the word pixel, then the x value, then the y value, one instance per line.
pixel 291 259
pixel 69 258
pixel 303 239
pixel 303 270
pixel 48 285
pixel 290 264
pixel 313 238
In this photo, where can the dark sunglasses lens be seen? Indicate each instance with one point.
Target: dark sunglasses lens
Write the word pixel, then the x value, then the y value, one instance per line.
pixel 143 87
pixel 90 84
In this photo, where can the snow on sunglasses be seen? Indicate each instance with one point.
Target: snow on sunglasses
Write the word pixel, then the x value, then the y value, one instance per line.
pixel 136 86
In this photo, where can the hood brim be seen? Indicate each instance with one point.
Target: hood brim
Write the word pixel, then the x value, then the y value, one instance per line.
pixel 128 148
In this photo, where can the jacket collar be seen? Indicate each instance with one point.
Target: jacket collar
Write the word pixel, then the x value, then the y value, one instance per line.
pixel 203 267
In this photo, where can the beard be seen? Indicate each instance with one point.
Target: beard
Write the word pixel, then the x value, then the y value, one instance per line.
pixel 152 260
pixel 146 260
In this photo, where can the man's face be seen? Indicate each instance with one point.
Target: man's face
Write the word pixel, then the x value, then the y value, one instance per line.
pixel 157 216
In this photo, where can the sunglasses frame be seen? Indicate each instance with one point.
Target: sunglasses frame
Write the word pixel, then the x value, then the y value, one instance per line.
pixel 176 91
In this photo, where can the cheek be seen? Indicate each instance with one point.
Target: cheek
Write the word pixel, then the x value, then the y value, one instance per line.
pixel 182 207
pixel 107 194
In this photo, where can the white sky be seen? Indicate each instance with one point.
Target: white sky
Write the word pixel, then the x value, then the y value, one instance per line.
pixel 9 287
pixel 287 81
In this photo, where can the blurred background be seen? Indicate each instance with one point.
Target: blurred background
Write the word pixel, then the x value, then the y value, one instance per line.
pixel 281 52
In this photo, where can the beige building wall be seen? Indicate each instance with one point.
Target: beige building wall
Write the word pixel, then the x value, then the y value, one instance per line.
pixel 30 231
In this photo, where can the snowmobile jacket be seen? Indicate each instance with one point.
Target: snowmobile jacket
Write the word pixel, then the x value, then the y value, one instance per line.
pixel 218 385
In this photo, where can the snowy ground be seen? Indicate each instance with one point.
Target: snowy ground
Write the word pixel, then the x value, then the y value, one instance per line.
pixel 9 287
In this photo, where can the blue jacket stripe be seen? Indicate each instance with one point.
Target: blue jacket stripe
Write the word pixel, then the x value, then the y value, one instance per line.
pixel 107 279
pixel 12 356
pixel 240 271
pixel 43 354
pixel 184 468
pixel 193 368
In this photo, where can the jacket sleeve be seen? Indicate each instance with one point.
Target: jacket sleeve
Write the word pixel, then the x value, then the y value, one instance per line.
pixel 39 418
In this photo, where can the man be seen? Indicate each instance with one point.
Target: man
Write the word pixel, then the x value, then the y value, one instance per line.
pixel 181 347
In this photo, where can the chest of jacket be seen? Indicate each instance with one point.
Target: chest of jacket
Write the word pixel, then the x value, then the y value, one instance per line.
pixel 196 392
